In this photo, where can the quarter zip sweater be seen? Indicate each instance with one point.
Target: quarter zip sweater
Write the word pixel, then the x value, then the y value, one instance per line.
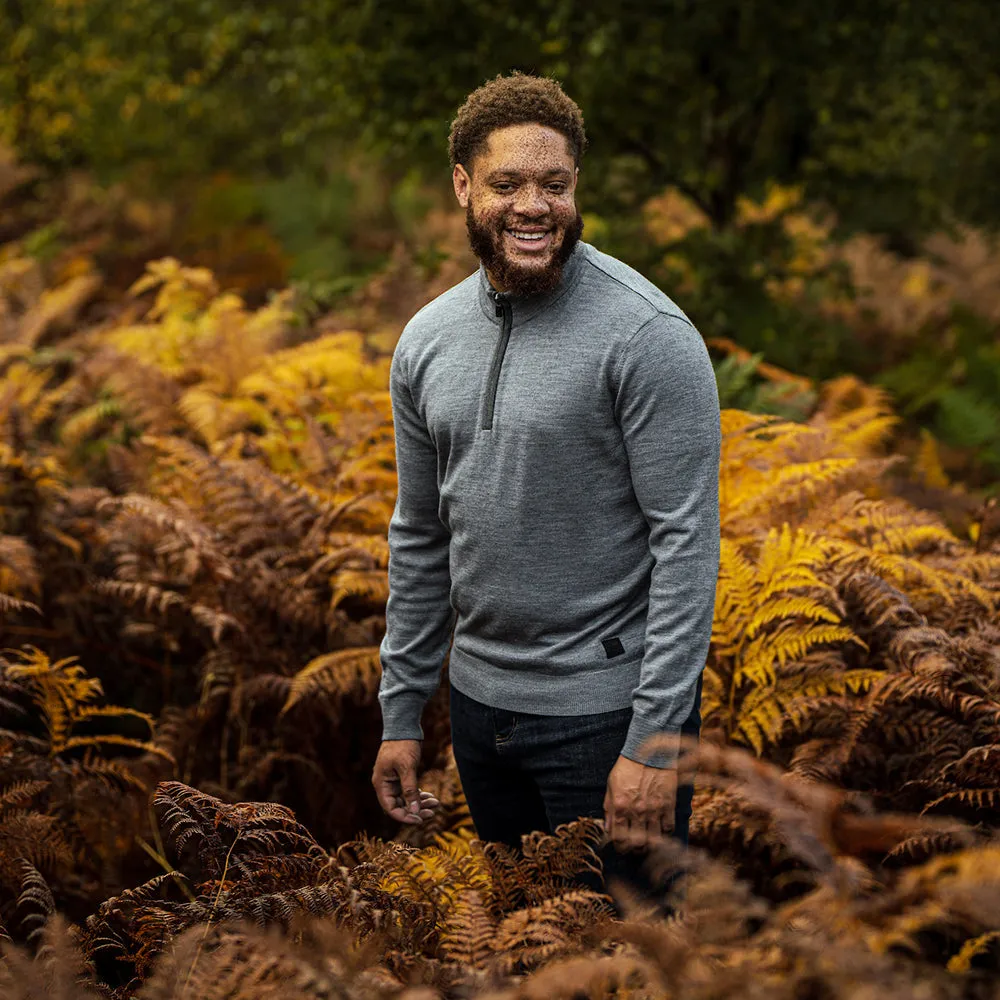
pixel 557 516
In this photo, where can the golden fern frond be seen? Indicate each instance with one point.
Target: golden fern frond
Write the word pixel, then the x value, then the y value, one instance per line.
pixel 214 620
pixel 792 484
pixel 431 875
pixel 764 711
pixel 962 960
pixel 346 673
pixel 902 930
pixel 179 287
pixel 847 394
pixel 863 429
pixel 789 606
pixel 59 689
pixel 63 692
pixel 371 584
pixel 81 425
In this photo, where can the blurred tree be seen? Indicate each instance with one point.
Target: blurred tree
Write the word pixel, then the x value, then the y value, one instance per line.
pixel 887 108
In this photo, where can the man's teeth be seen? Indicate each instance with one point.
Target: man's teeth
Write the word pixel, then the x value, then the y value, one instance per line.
pixel 527 236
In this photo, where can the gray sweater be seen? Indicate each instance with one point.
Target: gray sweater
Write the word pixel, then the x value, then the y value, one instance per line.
pixel 558 505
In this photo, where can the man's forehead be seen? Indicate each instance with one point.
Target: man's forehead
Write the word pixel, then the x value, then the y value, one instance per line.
pixel 526 146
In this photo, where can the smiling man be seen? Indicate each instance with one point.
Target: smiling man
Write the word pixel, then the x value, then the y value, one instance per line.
pixel 557 521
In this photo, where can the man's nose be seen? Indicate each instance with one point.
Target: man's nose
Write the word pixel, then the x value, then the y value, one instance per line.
pixel 531 201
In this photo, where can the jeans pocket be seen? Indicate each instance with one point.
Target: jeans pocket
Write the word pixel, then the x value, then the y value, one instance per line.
pixel 504 725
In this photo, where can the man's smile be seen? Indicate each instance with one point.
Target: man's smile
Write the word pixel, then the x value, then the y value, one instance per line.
pixel 529 239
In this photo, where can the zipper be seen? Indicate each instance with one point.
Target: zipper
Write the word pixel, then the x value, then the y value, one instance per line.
pixel 504 310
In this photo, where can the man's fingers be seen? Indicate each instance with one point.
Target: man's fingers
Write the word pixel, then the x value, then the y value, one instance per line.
pixel 400 809
pixel 408 781
pixel 387 791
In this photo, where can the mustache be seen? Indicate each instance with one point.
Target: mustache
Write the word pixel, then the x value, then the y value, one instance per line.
pixel 486 241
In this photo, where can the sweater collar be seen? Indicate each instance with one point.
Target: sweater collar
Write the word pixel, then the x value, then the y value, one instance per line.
pixel 524 307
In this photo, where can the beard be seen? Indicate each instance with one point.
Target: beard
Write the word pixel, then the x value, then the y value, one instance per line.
pixel 486 241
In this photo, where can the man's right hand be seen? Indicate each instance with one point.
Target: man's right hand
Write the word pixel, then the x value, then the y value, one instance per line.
pixel 395 782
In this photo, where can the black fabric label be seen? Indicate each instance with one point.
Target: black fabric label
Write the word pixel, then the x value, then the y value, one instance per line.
pixel 613 646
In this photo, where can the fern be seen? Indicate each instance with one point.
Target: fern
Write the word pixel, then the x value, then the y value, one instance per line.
pixel 62 692
pixel 337 675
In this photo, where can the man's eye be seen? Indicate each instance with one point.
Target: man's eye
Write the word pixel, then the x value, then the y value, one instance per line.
pixel 557 188
pixel 503 188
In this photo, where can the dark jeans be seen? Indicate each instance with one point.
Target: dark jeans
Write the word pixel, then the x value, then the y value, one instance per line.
pixel 522 772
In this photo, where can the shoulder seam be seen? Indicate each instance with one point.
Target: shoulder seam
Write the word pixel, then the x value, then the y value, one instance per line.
pixel 635 291
pixel 623 350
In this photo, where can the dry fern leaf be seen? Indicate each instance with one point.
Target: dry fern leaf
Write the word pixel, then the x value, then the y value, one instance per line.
pixel 962 960
pixel 527 938
pixel 468 932
pixel 351 673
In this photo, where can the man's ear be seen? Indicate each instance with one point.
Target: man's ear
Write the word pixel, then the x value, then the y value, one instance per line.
pixel 463 184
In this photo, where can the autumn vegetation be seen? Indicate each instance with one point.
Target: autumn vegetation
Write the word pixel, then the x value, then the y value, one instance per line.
pixel 197 313
pixel 195 496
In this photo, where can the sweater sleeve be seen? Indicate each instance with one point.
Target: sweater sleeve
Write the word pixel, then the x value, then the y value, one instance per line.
pixel 668 410
pixel 418 614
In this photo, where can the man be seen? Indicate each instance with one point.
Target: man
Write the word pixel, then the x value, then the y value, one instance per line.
pixel 557 443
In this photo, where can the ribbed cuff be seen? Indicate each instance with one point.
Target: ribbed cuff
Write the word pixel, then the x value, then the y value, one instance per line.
pixel 401 716
pixel 641 729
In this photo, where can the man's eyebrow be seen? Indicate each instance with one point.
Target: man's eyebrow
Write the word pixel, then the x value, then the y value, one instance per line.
pixel 509 174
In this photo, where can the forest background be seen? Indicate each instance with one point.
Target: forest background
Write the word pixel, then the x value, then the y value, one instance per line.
pixel 215 219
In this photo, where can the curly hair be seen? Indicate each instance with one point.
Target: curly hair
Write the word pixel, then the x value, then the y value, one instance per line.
pixel 513 100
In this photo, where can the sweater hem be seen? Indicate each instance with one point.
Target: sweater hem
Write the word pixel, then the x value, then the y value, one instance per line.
pixel 588 691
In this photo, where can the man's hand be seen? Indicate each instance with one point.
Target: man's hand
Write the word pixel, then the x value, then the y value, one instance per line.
pixel 395 782
pixel 639 804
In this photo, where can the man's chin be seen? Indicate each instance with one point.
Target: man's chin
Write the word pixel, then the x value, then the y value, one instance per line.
pixel 532 279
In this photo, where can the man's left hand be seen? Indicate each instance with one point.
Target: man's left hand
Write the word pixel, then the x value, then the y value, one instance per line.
pixel 639 804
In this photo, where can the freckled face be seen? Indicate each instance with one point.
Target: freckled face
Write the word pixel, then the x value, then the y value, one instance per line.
pixel 520 209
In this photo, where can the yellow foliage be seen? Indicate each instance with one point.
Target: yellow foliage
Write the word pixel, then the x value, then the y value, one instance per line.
pixel 778 200
pixel 927 464
pixel 335 675
pixel 669 217
pixel 63 692
pixel 769 612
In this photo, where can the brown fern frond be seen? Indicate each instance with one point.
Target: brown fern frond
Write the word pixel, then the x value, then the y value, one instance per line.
pixel 35 901
pixel 467 936
pixel 217 828
pixel 922 846
pixel 590 976
pixel 35 837
pixel 134 593
pixel 570 849
pixel 134 926
pixel 57 972
pixel 529 937
pixel 19 793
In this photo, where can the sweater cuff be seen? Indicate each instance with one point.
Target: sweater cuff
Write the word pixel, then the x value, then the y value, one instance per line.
pixel 641 729
pixel 401 716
